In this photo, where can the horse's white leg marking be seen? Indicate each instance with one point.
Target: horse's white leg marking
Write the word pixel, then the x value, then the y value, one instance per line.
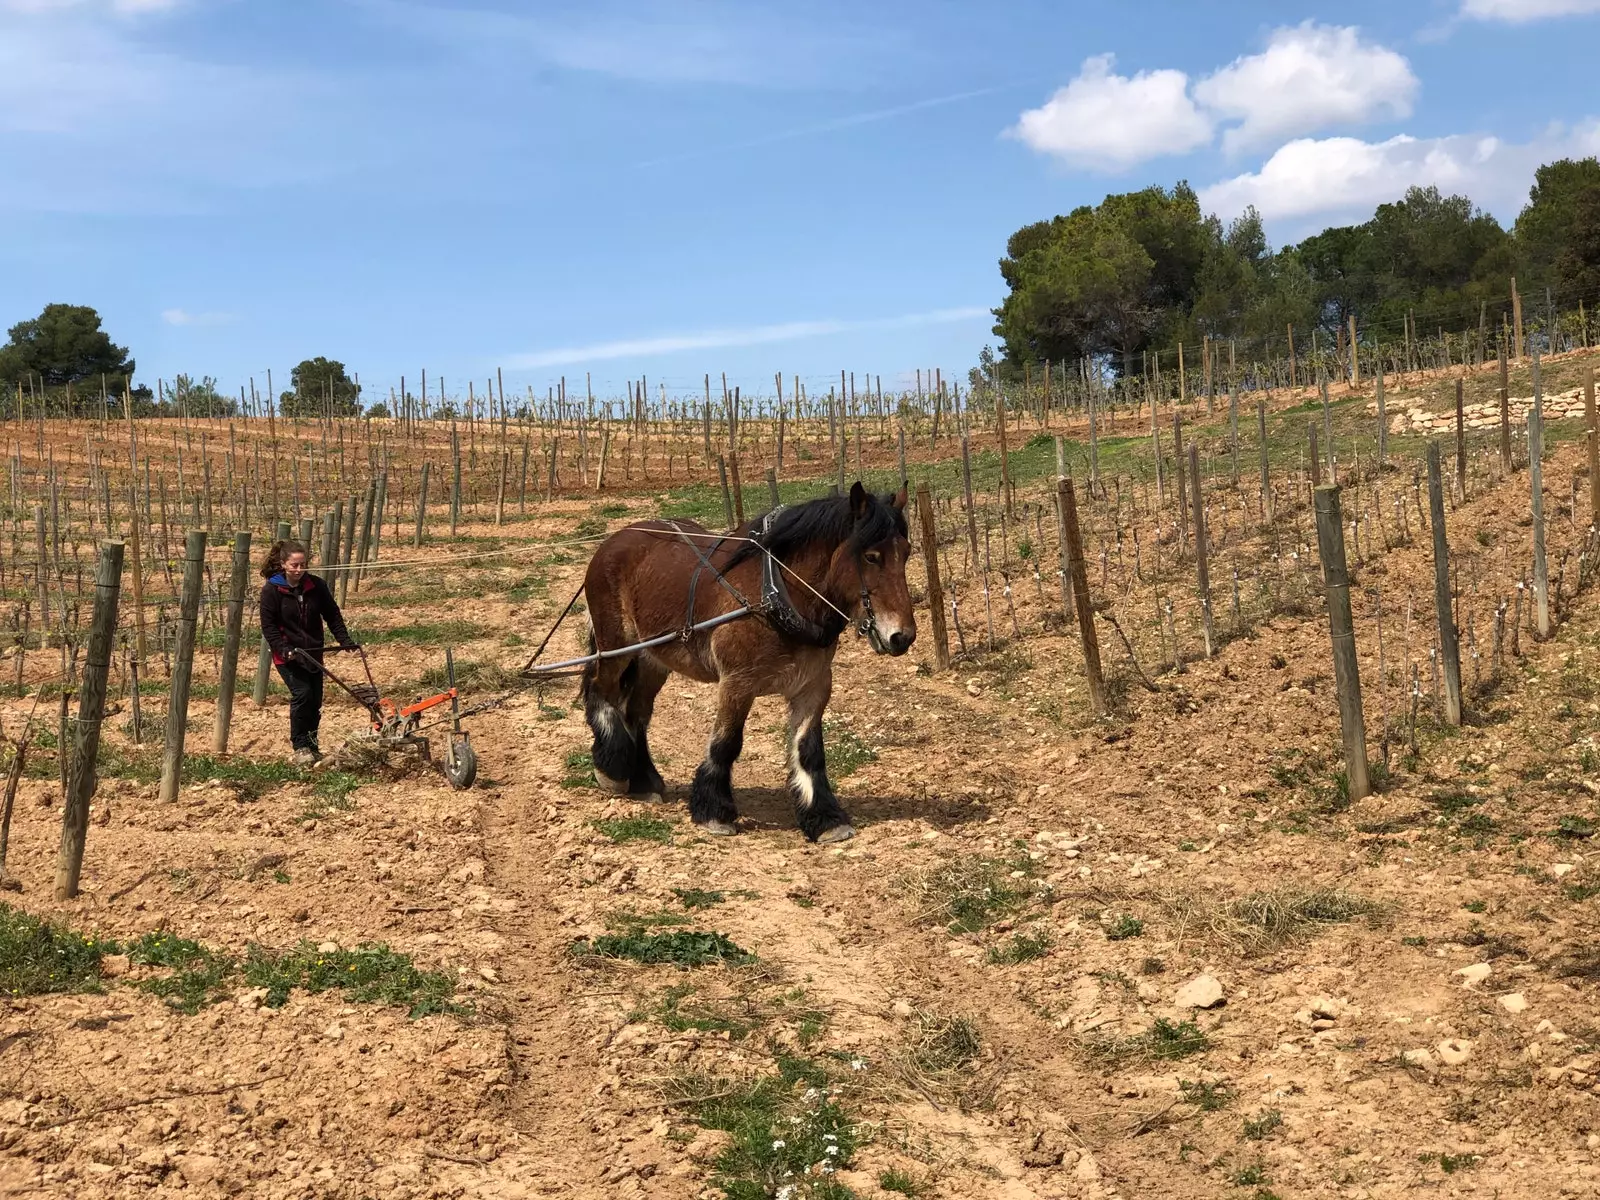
pixel 805 789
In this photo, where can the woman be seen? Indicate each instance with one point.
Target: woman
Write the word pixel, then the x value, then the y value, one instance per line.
pixel 294 604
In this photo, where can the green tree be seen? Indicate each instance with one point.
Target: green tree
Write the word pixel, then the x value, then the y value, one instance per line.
pixel 1106 280
pixel 1577 266
pixel 63 344
pixel 320 387
pixel 199 398
pixel 1546 224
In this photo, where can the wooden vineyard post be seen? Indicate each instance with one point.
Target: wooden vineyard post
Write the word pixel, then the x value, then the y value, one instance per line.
pixel 500 492
pixel 1383 421
pixel 1461 442
pixel 228 672
pixel 258 694
pixel 1594 445
pixel 966 484
pixel 1079 576
pixel 1202 569
pixel 455 491
pixel 772 487
pixel 1346 669
pixel 1355 358
pixel 1311 454
pixel 930 556
pixel 422 504
pixel 330 538
pixel 1177 477
pixel 1541 565
pixel 194 563
pixel 1327 428
pixel 738 491
pixel 85 737
pixel 1266 465
pixel 1449 643
pixel 727 497
pixel 1505 411
pixel 347 553
pixel 1005 456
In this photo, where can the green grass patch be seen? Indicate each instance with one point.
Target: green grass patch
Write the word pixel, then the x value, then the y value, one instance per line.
pixel 966 895
pixel 1021 948
pixel 628 921
pixel 1165 1041
pixel 1450 1163
pixel 427 633
pixel 901 1183
pixel 579 766
pixel 681 948
pixel 40 957
pixel 368 974
pixel 678 1013
pixel 698 897
pixel 847 753
pixel 1207 1097
pixel 635 829
pixel 1263 1123
pixel 1123 927
pixel 199 977
pixel 783 1144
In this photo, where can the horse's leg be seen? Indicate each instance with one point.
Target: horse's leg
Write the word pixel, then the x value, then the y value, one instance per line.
pixel 644 779
pixel 816 808
pixel 711 794
pixel 605 689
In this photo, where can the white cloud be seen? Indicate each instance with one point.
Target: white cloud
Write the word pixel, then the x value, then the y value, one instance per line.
pixel 1345 177
pixel 1309 77
pixel 716 339
pixel 1518 12
pixel 1111 122
pixel 179 316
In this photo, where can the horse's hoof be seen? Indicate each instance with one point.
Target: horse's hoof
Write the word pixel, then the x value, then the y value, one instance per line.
pixel 648 797
pixel 617 787
pixel 716 828
pixel 839 833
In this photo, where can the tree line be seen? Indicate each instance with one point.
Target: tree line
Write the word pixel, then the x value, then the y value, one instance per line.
pixel 63 362
pixel 1144 271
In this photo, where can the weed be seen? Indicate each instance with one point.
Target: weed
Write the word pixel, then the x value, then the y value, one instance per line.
pixel 472 675
pixel 898 1181
pixel 680 948
pixel 1123 927
pixel 1023 947
pixel 200 974
pixel 846 751
pixel 1152 966
pixel 698 897
pixel 675 1015
pixel 1207 1097
pixel 633 922
pixel 368 974
pixel 580 770
pixel 1249 1176
pixel 1257 1127
pixel 635 829
pixel 1263 921
pixel 966 895
pixel 38 957
pixel 941 1058
pixel 1476 906
pixel 1414 941
pixel 1450 1163
pixel 429 633
pixel 1165 1040
pixel 279 875
pixel 1576 827
pixel 782 1145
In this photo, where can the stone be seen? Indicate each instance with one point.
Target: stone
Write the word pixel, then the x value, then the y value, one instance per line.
pixel 1475 974
pixel 1322 1023
pixel 1560 869
pixel 470 871
pixel 1327 1007
pixel 1203 991
pixel 199 1169
pixel 1087 1169
pixel 1420 1057
pixel 328 948
pixel 334 1032
pixel 1514 1002
pixel 902 1008
pixel 1048 1148
pixel 1454 1051
pixel 114 966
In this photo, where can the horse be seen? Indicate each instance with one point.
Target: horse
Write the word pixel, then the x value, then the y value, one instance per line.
pixel 846 559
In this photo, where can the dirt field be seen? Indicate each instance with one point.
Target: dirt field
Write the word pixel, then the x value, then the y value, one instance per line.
pixel 1156 955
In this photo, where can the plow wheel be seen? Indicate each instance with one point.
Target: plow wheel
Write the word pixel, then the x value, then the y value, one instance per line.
pixel 460 762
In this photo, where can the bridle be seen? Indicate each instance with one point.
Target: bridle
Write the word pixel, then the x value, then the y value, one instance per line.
pixel 867 627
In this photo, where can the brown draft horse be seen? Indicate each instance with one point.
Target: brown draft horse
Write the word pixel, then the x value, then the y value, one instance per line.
pixel 655 577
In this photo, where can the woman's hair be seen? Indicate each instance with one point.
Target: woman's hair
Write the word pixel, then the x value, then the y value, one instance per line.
pixel 280 551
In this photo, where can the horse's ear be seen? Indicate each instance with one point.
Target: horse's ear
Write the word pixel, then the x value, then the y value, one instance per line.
pixel 859 499
pixel 899 498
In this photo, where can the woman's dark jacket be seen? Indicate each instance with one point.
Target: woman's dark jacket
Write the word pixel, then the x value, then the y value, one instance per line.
pixel 292 617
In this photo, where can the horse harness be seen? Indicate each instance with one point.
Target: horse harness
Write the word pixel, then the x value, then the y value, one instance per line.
pixel 777 606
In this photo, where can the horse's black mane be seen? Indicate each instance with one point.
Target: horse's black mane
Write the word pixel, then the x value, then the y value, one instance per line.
pixel 827 519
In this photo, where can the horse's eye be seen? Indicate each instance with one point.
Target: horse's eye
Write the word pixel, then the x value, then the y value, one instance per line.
pixel 875 557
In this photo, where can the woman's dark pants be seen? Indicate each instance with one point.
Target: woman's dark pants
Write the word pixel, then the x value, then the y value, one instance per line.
pixel 305 703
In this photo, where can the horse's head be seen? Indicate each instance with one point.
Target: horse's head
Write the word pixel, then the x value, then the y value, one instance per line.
pixel 871 566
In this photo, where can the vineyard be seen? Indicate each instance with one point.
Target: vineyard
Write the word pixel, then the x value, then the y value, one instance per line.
pixel 1165 884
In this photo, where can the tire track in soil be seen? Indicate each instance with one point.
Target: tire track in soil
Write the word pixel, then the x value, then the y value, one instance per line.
pixel 556 1061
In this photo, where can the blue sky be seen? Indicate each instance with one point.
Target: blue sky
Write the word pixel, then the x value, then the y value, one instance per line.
pixel 674 188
